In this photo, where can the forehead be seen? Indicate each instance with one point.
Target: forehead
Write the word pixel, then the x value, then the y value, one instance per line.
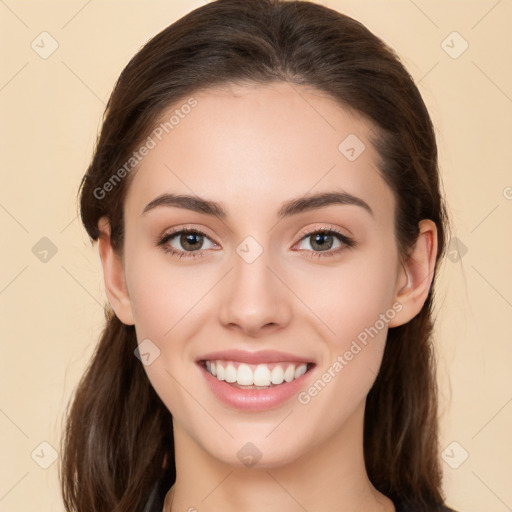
pixel 257 145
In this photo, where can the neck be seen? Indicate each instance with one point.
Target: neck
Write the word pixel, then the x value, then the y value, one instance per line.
pixel 330 477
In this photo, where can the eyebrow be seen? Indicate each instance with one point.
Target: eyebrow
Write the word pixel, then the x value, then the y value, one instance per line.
pixel 289 208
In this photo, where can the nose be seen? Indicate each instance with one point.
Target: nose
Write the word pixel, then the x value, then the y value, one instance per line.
pixel 254 298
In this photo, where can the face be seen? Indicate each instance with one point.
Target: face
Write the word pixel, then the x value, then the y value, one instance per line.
pixel 267 271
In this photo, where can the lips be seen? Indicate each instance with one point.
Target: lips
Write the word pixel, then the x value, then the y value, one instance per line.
pixel 261 357
pixel 254 381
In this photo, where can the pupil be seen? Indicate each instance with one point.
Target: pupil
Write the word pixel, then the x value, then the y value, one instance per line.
pixel 320 240
pixel 190 239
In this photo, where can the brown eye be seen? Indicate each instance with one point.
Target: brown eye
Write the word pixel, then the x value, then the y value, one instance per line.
pixel 191 241
pixel 323 241
pixel 184 241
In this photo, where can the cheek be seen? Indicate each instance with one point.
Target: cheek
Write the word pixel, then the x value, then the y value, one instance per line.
pixel 356 304
pixel 353 355
pixel 352 297
pixel 166 301
pixel 163 295
pixel 360 306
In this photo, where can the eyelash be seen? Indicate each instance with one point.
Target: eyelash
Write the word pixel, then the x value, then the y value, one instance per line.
pixel 348 243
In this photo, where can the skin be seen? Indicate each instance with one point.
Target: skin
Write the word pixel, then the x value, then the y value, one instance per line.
pixel 251 148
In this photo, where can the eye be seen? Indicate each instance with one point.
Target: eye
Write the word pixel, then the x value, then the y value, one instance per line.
pixel 191 242
pixel 324 239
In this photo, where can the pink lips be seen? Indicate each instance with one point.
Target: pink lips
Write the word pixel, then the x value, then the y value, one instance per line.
pixel 254 399
pixel 264 356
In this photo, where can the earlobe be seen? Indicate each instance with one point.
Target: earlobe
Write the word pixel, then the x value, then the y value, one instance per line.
pixel 415 278
pixel 113 274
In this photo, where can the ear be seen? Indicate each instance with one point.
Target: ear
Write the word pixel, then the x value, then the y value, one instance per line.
pixel 416 275
pixel 113 274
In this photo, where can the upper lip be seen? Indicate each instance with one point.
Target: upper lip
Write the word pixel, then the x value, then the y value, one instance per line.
pixel 263 356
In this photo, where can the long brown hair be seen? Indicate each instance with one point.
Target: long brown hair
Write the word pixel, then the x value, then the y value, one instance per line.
pixel 118 438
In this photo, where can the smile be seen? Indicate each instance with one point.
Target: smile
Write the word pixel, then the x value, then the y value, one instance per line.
pixel 257 381
pixel 252 376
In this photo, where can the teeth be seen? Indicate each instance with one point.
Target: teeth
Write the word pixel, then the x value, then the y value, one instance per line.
pixel 260 375
pixel 230 373
pixel 289 373
pixel 244 375
pixel 277 375
pixel 221 373
pixel 300 370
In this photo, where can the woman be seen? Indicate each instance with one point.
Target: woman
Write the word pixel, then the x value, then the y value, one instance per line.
pixel 265 196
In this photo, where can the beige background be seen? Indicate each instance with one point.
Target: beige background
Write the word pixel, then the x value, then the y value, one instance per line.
pixel 51 311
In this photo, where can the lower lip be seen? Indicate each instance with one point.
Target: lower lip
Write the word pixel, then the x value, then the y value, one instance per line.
pixel 254 399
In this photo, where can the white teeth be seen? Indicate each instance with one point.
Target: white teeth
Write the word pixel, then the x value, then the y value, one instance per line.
pixel 221 373
pixel 244 375
pixel 230 373
pixel 277 375
pixel 261 376
pixel 300 370
pixel 289 373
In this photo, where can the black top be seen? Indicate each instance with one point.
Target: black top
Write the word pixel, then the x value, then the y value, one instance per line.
pixel 156 500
